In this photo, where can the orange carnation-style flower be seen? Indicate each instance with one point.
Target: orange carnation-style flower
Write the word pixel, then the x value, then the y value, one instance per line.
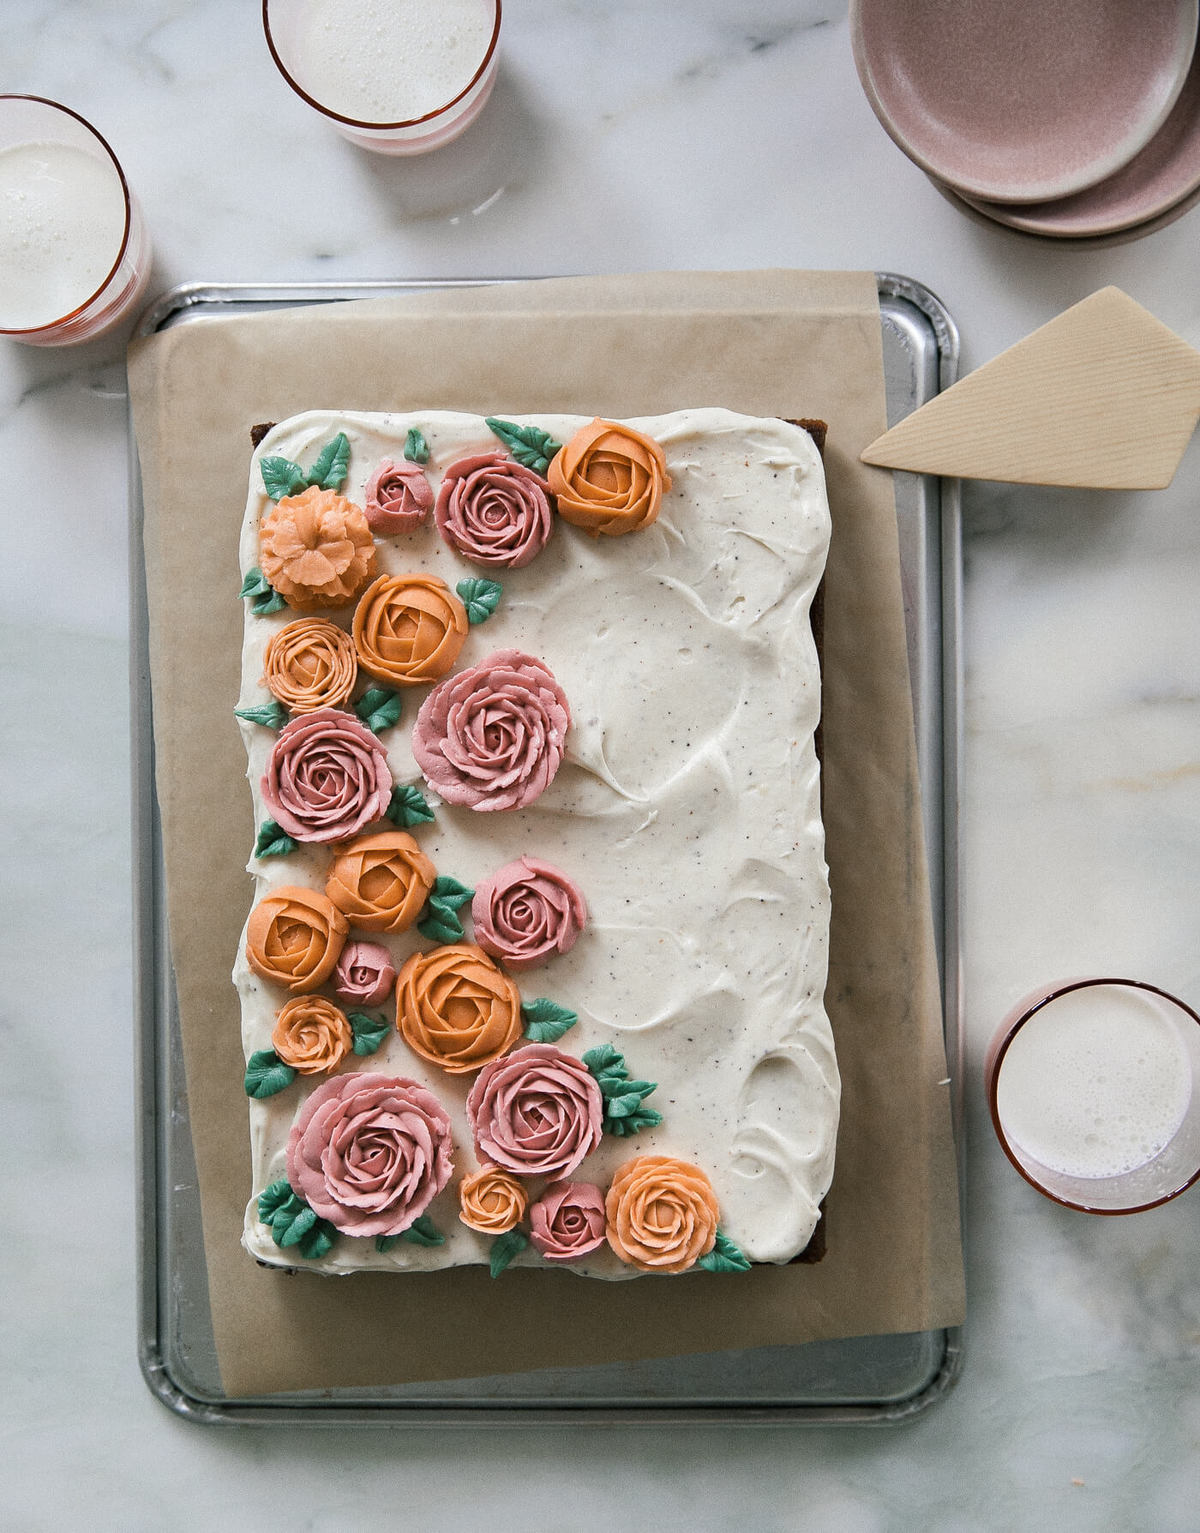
pixel 316 549
pixel 381 881
pixel 609 479
pixel 294 937
pixel 408 629
pixel 456 1009
pixel 310 664
pixel 661 1214
pixel 492 1201
pixel 312 1035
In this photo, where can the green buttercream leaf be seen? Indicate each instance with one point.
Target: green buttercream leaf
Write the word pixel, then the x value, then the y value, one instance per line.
pixel 333 461
pixel 379 708
pixel 624 1113
pixel 416 448
pixel 384 1243
pixel 546 1021
pixel 255 583
pixel 621 1128
pixel 272 1198
pixel 265 605
pixel 439 920
pixel 724 1257
pixel 282 477
pixel 480 597
pixel 317 1240
pixel 423 1232
pixel 293 1223
pixel 408 807
pixel 266 1074
pixel 504 1248
pixel 529 445
pixel 369 1032
pixel 266 598
pixel 604 1061
pixel 273 842
pixel 448 891
pixel 272 715
pixel 298 1227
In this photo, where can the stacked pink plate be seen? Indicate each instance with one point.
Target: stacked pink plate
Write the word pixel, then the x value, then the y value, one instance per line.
pixel 1076 120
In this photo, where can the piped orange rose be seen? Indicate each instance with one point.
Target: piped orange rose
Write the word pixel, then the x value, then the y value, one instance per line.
pixel 408 629
pixel 609 479
pixel 316 549
pixel 661 1214
pixel 492 1201
pixel 456 1009
pixel 381 881
pixel 294 937
pixel 310 664
pixel 312 1035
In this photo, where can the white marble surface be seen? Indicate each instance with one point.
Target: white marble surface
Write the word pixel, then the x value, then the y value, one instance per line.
pixel 636 135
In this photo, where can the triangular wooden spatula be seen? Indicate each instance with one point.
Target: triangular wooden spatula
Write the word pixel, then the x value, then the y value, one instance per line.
pixel 1103 397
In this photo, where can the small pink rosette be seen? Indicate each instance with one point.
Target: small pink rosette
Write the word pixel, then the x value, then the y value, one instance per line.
pixel 567 1222
pixel 364 974
pixel 398 498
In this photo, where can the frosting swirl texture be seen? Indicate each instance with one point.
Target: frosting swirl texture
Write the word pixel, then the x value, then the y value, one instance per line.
pixel 493 736
pixel 327 777
pixel 661 1213
pixel 294 937
pixel 455 1008
pixel 310 664
pixel 398 497
pixel 370 1152
pixel 408 629
pixel 312 1035
pixel 316 549
pixel 493 510
pixel 526 912
pixel 381 881
pixel 567 1221
pixel 536 1112
pixel 364 974
pixel 609 479
pixel 492 1201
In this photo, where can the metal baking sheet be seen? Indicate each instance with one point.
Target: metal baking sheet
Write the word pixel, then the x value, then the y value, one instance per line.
pixel 879 1379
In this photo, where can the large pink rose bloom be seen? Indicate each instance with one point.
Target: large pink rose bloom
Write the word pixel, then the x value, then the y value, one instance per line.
pixel 535 1112
pixel 493 736
pixel 370 1152
pixel 327 777
pixel 493 510
pixel 527 912
pixel 397 497
pixel 567 1221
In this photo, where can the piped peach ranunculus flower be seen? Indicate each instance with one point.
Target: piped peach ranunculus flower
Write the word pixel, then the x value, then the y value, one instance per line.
pixel 294 937
pixel 381 881
pixel 492 1201
pixel 609 479
pixel 456 1008
pixel 662 1214
pixel 312 1035
pixel 316 549
pixel 408 629
pixel 310 664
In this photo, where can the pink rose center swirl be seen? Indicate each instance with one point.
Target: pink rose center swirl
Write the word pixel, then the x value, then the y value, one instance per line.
pixel 494 511
pixel 327 777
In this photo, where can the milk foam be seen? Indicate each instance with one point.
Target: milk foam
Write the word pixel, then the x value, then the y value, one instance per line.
pixel 389 60
pixel 1096 1084
pixel 62 219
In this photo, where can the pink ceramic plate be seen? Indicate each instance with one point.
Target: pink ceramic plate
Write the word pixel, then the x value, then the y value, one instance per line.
pixel 1025 100
pixel 1165 173
pixel 1081 242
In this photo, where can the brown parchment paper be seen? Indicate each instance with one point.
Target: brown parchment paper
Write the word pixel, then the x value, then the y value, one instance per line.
pixel 795 344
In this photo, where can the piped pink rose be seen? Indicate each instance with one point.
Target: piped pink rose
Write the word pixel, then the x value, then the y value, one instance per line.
pixel 493 510
pixel 526 912
pixel 567 1222
pixel 398 498
pixel 364 974
pixel 370 1152
pixel 493 736
pixel 327 777
pixel 536 1112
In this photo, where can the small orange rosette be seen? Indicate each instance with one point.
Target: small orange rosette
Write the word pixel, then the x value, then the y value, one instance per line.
pixel 408 629
pixel 381 881
pixel 294 937
pixel 456 1008
pixel 312 1035
pixel 316 549
pixel 310 664
pixel 492 1201
pixel 661 1214
pixel 609 479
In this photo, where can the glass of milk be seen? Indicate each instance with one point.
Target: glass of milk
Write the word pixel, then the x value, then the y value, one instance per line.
pixel 397 76
pixel 1094 1090
pixel 74 254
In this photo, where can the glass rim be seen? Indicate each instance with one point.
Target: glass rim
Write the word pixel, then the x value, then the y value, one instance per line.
pixel 381 126
pixel 1025 1011
pixel 72 314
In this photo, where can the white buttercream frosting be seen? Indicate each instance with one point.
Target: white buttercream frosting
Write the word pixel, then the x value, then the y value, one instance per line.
pixel 686 809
